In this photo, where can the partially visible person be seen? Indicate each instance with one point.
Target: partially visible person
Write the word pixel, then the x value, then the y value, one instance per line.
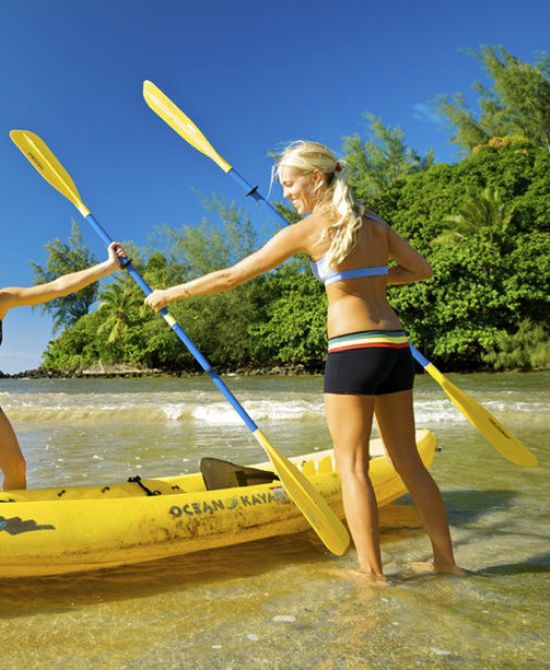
pixel 12 461
pixel 369 369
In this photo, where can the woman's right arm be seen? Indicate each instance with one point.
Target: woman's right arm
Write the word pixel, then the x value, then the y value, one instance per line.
pixel 284 244
pixel 411 266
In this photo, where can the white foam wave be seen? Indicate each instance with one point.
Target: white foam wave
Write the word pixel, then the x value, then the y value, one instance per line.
pixel 429 412
pixel 259 410
pixel 208 407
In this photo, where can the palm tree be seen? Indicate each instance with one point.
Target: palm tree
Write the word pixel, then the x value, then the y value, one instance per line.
pixel 117 302
pixel 482 214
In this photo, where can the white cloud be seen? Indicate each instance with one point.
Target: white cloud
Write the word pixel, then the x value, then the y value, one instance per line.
pixel 424 112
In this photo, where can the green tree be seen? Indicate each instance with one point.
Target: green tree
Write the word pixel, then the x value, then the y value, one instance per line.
pixel 482 214
pixel 76 348
pixel 294 327
pixel 517 104
pixel 220 325
pixel 193 250
pixel 118 302
pixel 526 349
pixel 63 258
pixel 485 283
pixel 380 161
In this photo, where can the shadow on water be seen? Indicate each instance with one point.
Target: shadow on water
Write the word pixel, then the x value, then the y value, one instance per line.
pixel 535 565
pixel 19 597
pixel 469 505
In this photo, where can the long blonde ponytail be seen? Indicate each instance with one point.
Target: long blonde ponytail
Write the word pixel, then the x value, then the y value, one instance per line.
pixel 306 157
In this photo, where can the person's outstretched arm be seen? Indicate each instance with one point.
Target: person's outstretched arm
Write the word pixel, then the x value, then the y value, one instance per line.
pixel 19 296
pixel 283 245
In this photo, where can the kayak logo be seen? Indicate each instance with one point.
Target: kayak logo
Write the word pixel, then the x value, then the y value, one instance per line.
pixel 16 525
pixel 276 494
pixel 35 160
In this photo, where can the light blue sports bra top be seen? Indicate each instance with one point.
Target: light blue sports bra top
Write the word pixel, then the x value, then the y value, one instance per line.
pixel 323 272
pixel 327 275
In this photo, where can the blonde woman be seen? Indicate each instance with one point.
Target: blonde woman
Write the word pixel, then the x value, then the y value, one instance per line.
pixel 12 461
pixel 369 368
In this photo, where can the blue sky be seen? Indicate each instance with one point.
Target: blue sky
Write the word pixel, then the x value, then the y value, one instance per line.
pixel 252 75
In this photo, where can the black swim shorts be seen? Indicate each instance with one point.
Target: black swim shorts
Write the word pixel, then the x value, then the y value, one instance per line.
pixel 372 362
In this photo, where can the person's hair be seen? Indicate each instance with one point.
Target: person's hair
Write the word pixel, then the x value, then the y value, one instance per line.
pixel 306 157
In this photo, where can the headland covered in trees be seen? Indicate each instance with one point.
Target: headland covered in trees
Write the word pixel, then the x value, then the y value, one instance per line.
pixel 482 223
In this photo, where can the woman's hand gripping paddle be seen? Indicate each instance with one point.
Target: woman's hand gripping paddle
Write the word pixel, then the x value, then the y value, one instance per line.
pixel 500 438
pixel 306 497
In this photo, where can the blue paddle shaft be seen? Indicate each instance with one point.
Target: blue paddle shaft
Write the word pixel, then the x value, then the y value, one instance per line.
pixel 424 362
pixel 253 192
pixel 205 365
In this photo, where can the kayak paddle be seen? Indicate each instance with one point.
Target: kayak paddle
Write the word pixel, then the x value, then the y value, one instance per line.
pixel 500 438
pixel 306 497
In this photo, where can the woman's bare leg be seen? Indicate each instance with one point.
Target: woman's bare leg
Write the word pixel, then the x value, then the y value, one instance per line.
pixel 12 463
pixel 395 419
pixel 349 419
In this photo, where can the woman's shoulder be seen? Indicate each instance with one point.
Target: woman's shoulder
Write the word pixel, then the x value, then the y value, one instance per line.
pixel 369 217
pixel 375 227
pixel 318 230
pixel 309 226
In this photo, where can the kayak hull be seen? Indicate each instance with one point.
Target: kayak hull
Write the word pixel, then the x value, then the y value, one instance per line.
pixel 57 531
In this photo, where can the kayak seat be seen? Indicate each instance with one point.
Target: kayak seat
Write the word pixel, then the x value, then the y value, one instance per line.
pixel 220 474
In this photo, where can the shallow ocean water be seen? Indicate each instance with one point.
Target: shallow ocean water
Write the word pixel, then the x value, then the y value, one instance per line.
pixel 285 602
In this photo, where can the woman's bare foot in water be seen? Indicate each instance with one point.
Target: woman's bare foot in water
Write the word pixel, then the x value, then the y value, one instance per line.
pixel 360 577
pixel 430 568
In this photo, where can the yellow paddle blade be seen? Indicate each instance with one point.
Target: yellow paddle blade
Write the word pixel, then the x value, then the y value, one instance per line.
pixel 181 123
pixel 500 438
pixel 41 157
pixel 307 498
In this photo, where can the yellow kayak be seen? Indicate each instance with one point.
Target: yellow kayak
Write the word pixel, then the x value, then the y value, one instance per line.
pixel 73 529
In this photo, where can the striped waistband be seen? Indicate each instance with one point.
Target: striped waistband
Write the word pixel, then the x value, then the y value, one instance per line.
pixel 392 339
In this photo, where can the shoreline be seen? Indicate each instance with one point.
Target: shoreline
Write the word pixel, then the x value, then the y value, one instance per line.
pixel 126 371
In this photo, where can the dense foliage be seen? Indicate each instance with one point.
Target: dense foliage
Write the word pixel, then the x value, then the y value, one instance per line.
pixel 482 223
pixel 518 103
pixel 64 258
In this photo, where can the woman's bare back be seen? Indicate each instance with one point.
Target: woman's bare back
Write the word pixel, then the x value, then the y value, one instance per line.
pixel 359 304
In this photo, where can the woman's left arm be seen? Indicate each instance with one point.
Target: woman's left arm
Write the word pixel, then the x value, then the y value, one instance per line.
pixel 286 243
pixel 22 296
pixel 411 266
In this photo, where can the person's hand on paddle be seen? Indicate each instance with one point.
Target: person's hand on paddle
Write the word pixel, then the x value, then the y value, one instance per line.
pixel 158 299
pixel 117 255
